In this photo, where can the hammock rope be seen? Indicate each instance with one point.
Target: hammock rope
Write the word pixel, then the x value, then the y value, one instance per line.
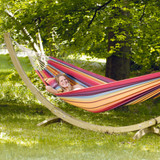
pixel 37 59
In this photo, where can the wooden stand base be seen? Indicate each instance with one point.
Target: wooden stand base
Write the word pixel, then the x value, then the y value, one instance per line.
pixel 142 132
pixel 49 121
pixel 138 135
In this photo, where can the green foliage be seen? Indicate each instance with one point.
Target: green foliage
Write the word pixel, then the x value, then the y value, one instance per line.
pixel 13 76
pixel 16 93
pixel 12 88
pixel 82 26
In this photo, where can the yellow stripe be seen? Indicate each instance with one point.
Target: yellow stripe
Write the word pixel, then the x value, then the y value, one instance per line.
pixel 112 96
pixel 105 106
pixel 145 97
pixel 53 71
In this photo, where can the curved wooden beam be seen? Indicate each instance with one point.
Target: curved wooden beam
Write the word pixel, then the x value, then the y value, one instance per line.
pixel 63 115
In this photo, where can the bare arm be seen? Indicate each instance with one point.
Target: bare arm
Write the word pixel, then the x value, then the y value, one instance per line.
pixel 51 90
pixel 78 86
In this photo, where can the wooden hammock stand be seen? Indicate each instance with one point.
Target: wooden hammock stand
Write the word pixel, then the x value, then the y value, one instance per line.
pixel 142 128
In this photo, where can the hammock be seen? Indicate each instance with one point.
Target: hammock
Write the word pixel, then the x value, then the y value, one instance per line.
pixel 101 93
pixel 40 64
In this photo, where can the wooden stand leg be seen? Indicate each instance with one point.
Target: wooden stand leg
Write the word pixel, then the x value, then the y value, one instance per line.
pixel 142 132
pixel 49 121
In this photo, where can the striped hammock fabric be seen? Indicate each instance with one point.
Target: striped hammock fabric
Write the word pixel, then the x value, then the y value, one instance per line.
pixel 100 93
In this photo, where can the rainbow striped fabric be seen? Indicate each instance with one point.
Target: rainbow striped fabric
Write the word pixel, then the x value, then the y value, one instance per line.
pixel 101 93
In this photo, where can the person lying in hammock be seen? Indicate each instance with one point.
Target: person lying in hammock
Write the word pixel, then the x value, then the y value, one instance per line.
pixel 65 85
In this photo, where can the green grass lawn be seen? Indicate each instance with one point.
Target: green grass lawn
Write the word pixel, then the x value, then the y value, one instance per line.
pixel 20 138
pixel 6 65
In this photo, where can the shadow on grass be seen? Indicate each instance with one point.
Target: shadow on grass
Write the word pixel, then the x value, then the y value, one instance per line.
pixel 133 115
pixel 118 117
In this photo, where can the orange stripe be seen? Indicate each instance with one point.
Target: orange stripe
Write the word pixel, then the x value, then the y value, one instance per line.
pixel 53 71
pixel 127 91
pixel 107 100
pixel 141 99
pixel 43 75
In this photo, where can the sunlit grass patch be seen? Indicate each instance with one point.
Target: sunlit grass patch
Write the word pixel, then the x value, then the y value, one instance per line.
pixel 21 138
pixel 4 138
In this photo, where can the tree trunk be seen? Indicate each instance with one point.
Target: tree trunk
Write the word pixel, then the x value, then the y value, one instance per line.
pixel 117 68
pixel 118 64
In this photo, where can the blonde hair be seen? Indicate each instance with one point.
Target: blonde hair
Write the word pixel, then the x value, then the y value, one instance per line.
pixel 59 75
pixel 57 80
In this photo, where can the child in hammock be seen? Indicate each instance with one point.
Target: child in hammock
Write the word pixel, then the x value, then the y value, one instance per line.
pixel 65 85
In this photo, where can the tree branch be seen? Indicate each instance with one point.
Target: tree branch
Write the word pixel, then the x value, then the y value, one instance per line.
pixel 96 10
pixel 143 13
pixel 34 45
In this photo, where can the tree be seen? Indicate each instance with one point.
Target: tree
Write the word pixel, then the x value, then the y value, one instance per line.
pixel 81 26
pixel 118 64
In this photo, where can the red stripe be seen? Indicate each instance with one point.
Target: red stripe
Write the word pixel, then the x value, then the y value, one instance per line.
pixel 105 79
pixel 41 77
pixel 123 102
pixel 74 74
pixel 113 85
pixel 47 74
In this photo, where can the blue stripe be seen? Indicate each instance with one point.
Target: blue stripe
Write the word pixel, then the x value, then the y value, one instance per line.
pixel 66 74
pixel 108 92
